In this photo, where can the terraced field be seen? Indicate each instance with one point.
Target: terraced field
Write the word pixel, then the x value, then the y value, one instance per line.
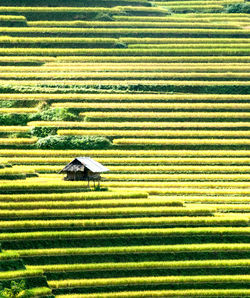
pixel 165 84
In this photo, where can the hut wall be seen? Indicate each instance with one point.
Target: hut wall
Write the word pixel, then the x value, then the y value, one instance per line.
pixel 94 176
pixel 70 176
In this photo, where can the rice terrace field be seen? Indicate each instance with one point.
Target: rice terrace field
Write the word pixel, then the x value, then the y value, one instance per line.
pixel 157 92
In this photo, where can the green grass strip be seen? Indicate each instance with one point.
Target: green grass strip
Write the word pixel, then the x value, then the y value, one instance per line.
pixel 154 133
pixel 153 59
pixel 133 24
pixel 37 292
pixel 103 212
pixel 9 256
pixel 126 222
pixel 20 274
pixel 150 249
pixel 124 75
pixel 97 203
pixel 210 141
pixel 73 196
pixel 23 9
pixel 123 52
pixel 129 233
pixel 167 293
pixel 128 97
pixel 152 280
pixel 66 68
pixel 143 265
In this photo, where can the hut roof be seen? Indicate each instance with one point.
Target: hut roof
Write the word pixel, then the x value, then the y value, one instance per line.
pixel 79 163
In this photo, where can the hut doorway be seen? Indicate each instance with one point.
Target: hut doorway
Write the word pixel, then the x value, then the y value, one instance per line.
pixel 85 174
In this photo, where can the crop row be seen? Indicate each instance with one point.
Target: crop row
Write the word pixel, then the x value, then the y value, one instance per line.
pixel 123 52
pixel 154 59
pixel 164 169
pixel 196 45
pixel 165 293
pixel 146 161
pixel 160 84
pixel 128 97
pixel 143 84
pixel 235 208
pixel 20 274
pixel 133 233
pixel 8 256
pixel 12 18
pixel 11 171
pixel 61 203
pixel 177 177
pixel 137 125
pixel 106 212
pixel 198 15
pixel 53 66
pixel 124 32
pixel 184 40
pixel 124 76
pixel 152 169
pixel 151 280
pixel 85 197
pixel 158 133
pixel 229 142
pixel 114 67
pixel 18 110
pixel 192 2
pixel 126 222
pixel 143 265
pixel 152 106
pixel 213 7
pixel 126 153
pixel 196 191
pixel 185 18
pixel 17 141
pixel 39 292
pixel 14 129
pixel 23 9
pixel 164 115
pixel 47 40
pixel 209 200
pixel 124 24
pixel 149 249
pixel 178 184
pixel 33 185
pixel 26 60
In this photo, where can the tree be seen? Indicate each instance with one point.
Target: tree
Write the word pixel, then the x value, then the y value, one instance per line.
pixel 16 290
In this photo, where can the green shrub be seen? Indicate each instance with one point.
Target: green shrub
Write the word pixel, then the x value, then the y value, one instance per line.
pixel 9 104
pixel 238 8
pixel 71 142
pixel 16 290
pixel 20 135
pixel 13 119
pixel 57 114
pixel 42 132
pixel 120 45
pixel 54 142
pixel 102 16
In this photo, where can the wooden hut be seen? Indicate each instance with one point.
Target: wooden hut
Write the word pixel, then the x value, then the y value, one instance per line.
pixel 83 169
